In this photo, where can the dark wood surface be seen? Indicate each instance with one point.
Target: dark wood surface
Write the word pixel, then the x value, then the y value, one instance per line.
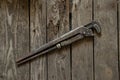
pixel 57 25
pixel 82 51
pixel 21 37
pixel 14 37
pixel 106 46
pixel 28 24
pixel 38 38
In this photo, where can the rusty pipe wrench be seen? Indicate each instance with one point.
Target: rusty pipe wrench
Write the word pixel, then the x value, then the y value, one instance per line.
pixel 66 39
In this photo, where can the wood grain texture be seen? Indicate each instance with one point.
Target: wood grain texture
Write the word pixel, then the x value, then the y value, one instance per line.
pixel 21 35
pixel 58 24
pixel 2 40
pixel 38 38
pixel 7 23
pixel 106 49
pixel 82 51
pixel 14 39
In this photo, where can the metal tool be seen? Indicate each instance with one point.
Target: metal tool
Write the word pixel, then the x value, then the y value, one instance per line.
pixel 66 39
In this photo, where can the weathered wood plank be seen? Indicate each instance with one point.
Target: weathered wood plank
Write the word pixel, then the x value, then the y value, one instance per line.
pixel 21 35
pixel 7 20
pixel 82 51
pixel 38 37
pixel 58 24
pixel 118 25
pixel 10 16
pixel 2 40
pixel 106 49
pixel 11 39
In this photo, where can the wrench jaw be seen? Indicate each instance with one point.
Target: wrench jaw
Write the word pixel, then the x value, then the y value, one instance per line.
pixel 87 32
pixel 94 25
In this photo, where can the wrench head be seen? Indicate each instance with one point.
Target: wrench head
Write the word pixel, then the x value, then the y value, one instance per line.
pixel 94 25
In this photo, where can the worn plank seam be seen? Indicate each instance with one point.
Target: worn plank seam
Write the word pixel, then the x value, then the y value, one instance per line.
pixel 93 43
pixel 118 37
pixel 29 37
pixel 70 27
